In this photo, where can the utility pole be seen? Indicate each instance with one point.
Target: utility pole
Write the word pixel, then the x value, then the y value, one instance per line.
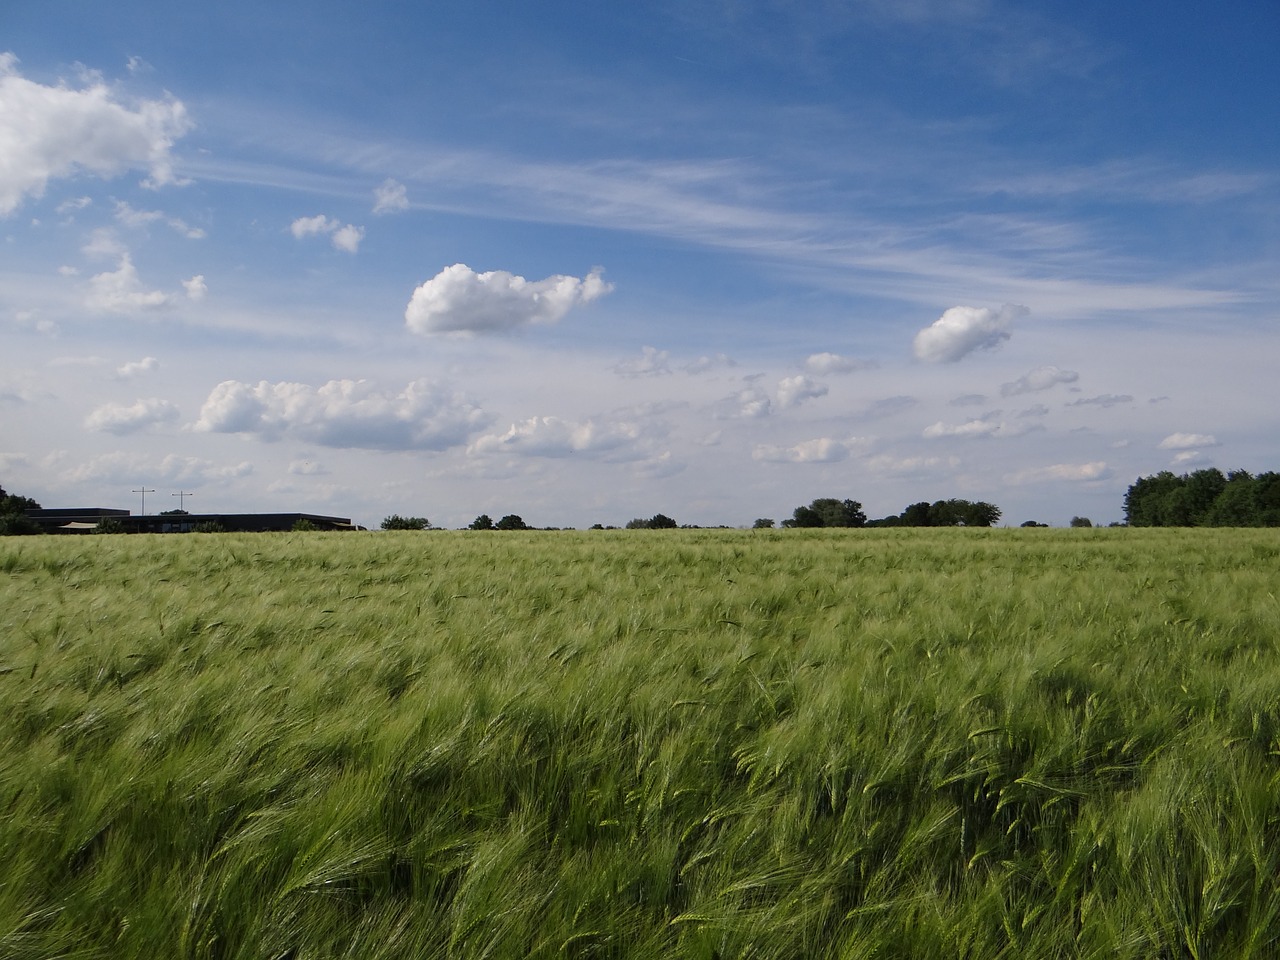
pixel 144 491
pixel 180 495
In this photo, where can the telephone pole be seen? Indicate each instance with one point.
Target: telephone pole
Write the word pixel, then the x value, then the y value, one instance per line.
pixel 144 491
pixel 181 495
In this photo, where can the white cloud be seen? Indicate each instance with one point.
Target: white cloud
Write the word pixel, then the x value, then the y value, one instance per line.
pixel 130 217
pixel 792 391
pixel 1070 472
pixel 829 363
pixel 1041 378
pixel 989 426
pixel 458 300
pixel 343 413
pixel 119 419
pixel 390 196
pixel 962 330
pixel 51 132
pixel 120 291
pixel 104 244
pixel 652 362
pixel 1035 410
pixel 136 368
pixel 125 469
pixel 310 226
pixel 346 238
pixel 196 287
pixel 818 450
pixel 611 439
pixel 1188 441
pixel 76 203
pixel 1189 458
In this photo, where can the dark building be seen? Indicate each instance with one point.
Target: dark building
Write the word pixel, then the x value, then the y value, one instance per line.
pixel 84 519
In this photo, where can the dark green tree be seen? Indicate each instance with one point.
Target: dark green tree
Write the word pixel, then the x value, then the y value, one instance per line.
pixel 511 522
pixel 13 519
pixel 482 522
pixel 1081 522
pixel 397 522
pixel 763 523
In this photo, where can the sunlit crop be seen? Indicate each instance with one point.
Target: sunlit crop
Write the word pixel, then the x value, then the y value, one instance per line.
pixel 694 744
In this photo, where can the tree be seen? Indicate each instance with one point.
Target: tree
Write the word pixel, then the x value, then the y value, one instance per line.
pixel 764 523
pixel 482 522
pixel 1081 522
pixel 511 522
pixel 397 522
pixel 175 513
pixel 13 519
pixel 303 525
pixel 1032 523
pixel 108 525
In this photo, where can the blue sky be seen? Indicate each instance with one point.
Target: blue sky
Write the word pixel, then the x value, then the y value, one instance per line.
pixel 585 264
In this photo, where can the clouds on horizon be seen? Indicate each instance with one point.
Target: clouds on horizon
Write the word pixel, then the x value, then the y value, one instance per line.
pixel 350 414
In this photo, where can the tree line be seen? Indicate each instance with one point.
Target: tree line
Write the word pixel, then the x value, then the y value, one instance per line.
pixel 1205 498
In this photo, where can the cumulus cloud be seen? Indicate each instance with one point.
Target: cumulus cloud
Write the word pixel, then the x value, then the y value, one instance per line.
pixel 962 330
pixel 121 291
pixel 817 450
pixel 1041 378
pixel 1069 472
pixel 343 413
pixel 989 426
pixel 1104 400
pixel 196 287
pixel 460 301
pixel 652 362
pixel 611 439
pixel 120 420
pixel 122 468
pixel 50 132
pixel 136 368
pixel 346 238
pixel 390 196
pixel 829 363
pixel 792 391
pixel 1188 441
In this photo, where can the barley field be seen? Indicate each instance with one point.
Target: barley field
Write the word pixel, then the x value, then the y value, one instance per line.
pixel 847 744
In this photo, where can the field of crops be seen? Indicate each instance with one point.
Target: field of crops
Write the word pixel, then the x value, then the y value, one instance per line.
pixel 652 744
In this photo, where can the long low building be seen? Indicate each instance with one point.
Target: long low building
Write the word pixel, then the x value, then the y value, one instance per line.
pixel 86 519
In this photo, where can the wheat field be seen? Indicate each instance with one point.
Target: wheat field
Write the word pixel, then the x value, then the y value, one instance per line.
pixel 643 744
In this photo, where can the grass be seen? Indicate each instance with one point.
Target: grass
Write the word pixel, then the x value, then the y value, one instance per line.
pixel 693 744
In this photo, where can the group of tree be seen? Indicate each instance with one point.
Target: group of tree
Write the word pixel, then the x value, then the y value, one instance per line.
pixel 659 521
pixel 509 522
pixel 830 512
pixel 1205 498
pixel 13 519
pixel 397 522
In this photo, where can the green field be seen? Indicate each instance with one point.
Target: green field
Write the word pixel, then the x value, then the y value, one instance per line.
pixel 693 744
